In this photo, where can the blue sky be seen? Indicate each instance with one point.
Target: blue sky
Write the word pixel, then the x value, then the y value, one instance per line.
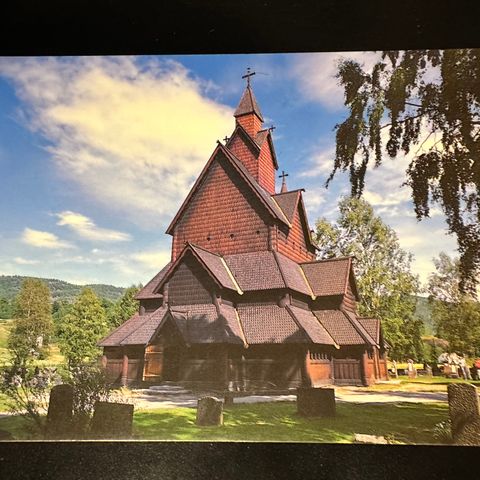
pixel 98 153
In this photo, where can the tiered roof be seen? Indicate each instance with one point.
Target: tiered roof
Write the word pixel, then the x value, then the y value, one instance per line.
pixel 260 322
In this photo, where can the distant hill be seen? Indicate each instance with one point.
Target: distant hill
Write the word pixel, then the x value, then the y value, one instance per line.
pixel 61 290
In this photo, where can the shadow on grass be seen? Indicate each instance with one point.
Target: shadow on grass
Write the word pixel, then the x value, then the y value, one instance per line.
pixel 405 422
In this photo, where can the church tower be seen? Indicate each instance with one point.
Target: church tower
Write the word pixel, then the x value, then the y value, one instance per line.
pixel 243 303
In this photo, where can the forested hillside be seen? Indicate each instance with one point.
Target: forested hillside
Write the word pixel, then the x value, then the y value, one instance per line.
pixel 61 290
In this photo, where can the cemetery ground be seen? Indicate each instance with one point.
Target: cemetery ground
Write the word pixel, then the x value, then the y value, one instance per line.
pixel 411 423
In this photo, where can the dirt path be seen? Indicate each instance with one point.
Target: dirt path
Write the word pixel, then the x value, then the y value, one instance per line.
pixel 145 401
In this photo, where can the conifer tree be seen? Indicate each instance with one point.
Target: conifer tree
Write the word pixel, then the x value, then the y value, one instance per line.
pixel 79 330
pixel 125 307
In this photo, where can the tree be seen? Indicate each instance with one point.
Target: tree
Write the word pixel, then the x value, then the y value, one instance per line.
pixel 6 308
pixel 444 283
pixel 456 315
pixel 25 384
pixel 83 325
pixel 385 282
pixel 125 307
pixel 32 322
pixel 402 93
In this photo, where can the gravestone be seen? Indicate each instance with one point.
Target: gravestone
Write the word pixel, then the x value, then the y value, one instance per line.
pixel 112 420
pixel 60 411
pixel 316 402
pixel 470 433
pixel 464 410
pixel 209 412
pixel 364 438
pixel 228 400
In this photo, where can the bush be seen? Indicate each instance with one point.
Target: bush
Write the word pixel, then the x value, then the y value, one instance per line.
pixel 28 391
pixel 89 386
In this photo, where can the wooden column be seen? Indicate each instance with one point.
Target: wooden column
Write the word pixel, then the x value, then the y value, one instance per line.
pixel 332 369
pixel 244 373
pixel 224 366
pixel 305 360
pixel 363 368
pixel 104 361
pixel 124 369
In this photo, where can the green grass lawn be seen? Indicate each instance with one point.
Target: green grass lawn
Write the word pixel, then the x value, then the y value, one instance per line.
pixel 419 384
pixel 54 356
pixel 279 422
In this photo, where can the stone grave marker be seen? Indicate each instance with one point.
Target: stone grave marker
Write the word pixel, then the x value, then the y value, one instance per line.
pixel 60 412
pixel 228 400
pixel 464 410
pixel 364 438
pixel 112 420
pixel 209 412
pixel 316 402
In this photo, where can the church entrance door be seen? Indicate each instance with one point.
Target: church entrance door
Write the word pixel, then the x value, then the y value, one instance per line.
pixel 347 371
pixel 171 363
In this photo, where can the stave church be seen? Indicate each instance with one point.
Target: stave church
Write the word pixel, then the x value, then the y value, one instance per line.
pixel 244 304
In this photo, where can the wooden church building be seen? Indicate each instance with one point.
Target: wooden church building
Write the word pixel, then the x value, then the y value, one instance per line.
pixel 244 304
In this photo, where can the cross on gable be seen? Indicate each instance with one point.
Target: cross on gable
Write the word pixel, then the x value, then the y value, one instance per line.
pixel 248 75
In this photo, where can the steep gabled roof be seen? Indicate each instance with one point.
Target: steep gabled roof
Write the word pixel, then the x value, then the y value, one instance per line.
pixel 329 277
pixel 269 324
pixel 339 327
pixel 312 326
pixel 248 104
pixel 147 291
pixel 204 323
pixel 267 270
pixel 256 143
pixel 137 330
pixel 262 195
pixel 288 203
pixel 291 202
pixel 213 264
pixel 372 326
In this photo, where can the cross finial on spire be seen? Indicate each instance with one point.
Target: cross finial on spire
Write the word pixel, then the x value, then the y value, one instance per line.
pixel 284 182
pixel 248 75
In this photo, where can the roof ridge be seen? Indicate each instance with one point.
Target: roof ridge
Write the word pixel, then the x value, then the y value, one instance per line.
pixel 242 129
pixel 325 260
pixel 323 325
pixel 275 253
pixel 356 324
pixel 134 316
pixel 290 191
pixel 297 322
pixel 335 343
pixel 307 283
pixel 194 245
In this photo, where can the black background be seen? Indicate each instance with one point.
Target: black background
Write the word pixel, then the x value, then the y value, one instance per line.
pixel 70 27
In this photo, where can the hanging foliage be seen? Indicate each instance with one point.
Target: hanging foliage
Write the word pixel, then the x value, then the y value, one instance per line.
pixel 408 98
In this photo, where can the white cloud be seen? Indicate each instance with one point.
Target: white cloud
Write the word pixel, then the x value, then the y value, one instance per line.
pixel 40 239
pixel 315 75
pixel 86 228
pixel 25 261
pixel 155 259
pixel 133 137
pixel 320 163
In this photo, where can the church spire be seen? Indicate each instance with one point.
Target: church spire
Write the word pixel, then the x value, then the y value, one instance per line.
pixel 248 113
